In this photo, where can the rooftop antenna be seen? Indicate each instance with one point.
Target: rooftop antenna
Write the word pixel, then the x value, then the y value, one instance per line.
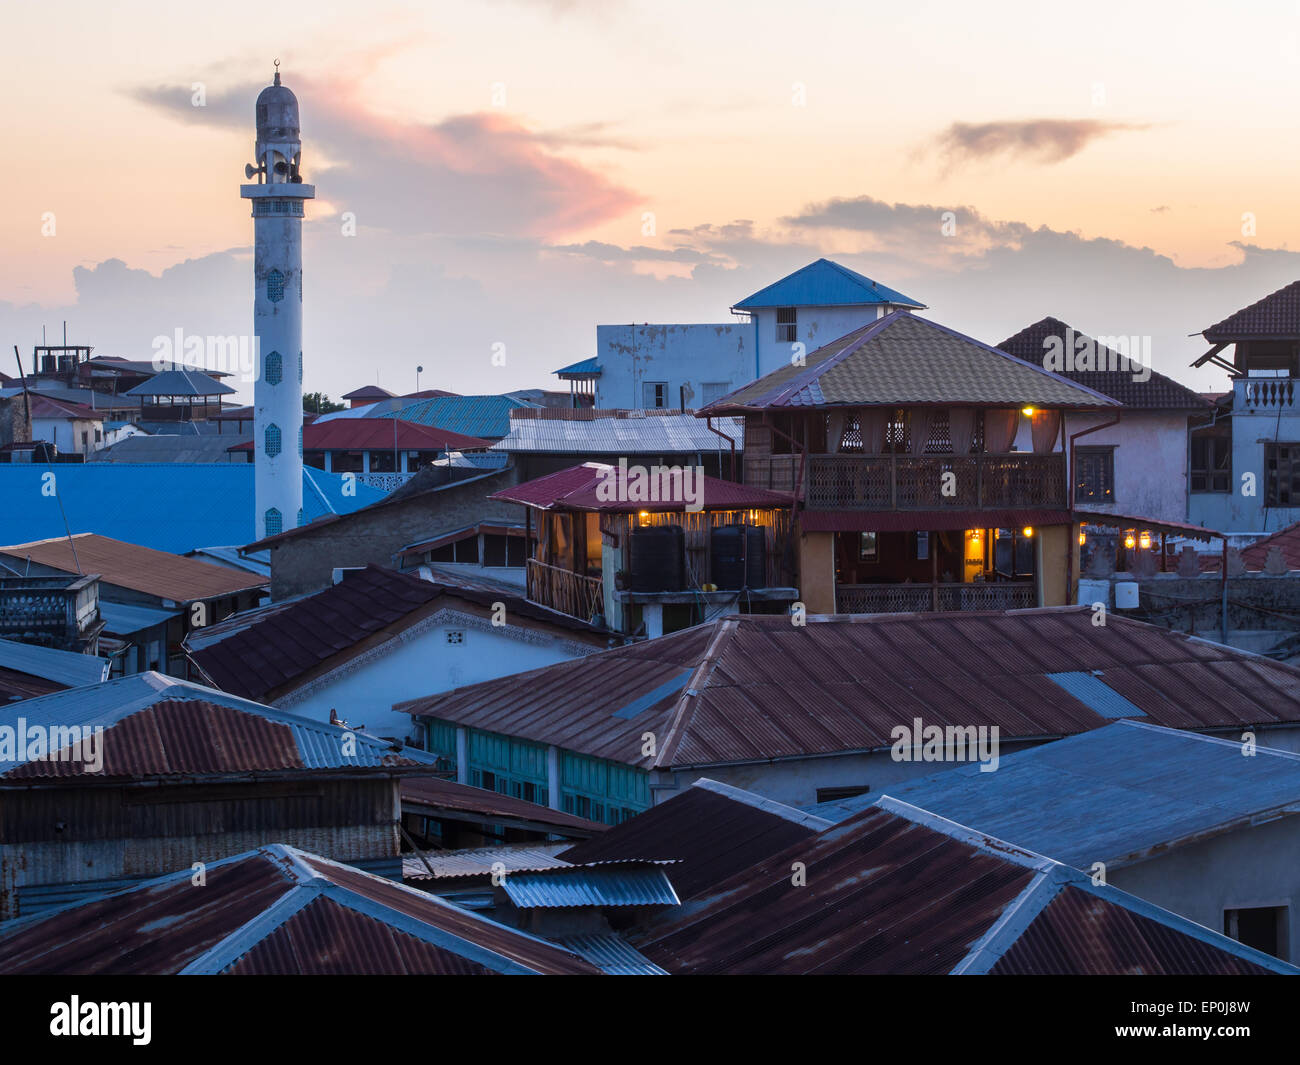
pixel 277 72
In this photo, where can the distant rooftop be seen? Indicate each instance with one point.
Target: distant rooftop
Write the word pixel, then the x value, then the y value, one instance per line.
pixel 825 284
pixel 1276 315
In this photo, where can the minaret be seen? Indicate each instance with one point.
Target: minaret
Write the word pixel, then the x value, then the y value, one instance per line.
pixel 277 309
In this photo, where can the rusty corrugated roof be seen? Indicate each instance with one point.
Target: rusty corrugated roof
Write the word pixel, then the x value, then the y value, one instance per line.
pixel 138 568
pixel 579 488
pixel 155 726
pixel 756 687
pixel 712 829
pixel 439 798
pixel 275 910
pixel 899 891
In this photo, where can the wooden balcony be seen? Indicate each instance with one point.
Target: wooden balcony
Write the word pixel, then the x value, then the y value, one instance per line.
pixel 919 598
pixel 919 482
pixel 570 593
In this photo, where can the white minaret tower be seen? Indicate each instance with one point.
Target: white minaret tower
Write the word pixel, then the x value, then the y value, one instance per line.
pixel 277 309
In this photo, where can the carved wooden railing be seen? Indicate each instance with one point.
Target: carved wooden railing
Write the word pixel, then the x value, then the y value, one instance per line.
pixel 935 482
pixel 570 593
pixel 908 598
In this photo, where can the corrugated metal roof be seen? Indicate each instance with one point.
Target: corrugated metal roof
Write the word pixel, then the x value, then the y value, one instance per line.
pixel 712 829
pixel 124 619
pixel 657 433
pixel 379 434
pixel 1114 795
pixel 286 643
pixel 899 891
pixel 479 416
pixel 583 368
pixel 436 797
pixel 767 689
pixel 159 726
pixel 580 488
pixel 484 861
pixel 180 383
pixel 69 669
pixel 824 283
pixel 901 360
pixel 276 910
pixel 1093 693
pixel 141 569
pixel 621 884
pixel 612 954
pixel 168 506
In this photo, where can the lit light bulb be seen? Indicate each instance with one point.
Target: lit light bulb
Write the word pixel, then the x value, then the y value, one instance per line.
pixel 1144 541
pixel 1129 541
pixel 1028 530
pixel 1083 537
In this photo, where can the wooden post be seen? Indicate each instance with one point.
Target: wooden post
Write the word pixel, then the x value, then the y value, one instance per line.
pixel 934 570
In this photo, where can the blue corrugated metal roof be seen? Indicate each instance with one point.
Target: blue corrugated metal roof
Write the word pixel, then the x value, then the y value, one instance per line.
pixel 1095 694
pixel 122 619
pixel 482 416
pixel 63 667
pixel 586 366
pixel 320 745
pixel 825 284
pixel 167 506
pixel 607 885
pixel 612 955
pixel 1113 793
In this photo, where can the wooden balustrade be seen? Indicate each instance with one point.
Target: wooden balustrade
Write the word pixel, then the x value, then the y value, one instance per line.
pixel 922 482
pixel 570 593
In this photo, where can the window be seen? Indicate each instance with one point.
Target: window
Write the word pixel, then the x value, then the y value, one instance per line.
pixel 868 547
pixel 1261 927
pixel 455 636
pixel 274 522
pixel 274 368
pixel 654 395
pixel 300 367
pixel 922 545
pixel 1211 464
pixel 847 792
pixel 787 326
pixel 301 523
pixel 275 286
pixel 1094 475
pixel 1282 475
pixel 272 441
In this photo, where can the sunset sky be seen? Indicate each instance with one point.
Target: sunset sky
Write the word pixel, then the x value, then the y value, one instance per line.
pixel 522 170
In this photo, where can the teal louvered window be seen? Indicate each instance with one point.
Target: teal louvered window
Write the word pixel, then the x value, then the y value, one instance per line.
pixel 274 522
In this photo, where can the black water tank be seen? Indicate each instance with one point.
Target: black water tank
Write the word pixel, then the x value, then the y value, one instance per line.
pixel 657 559
pixel 727 548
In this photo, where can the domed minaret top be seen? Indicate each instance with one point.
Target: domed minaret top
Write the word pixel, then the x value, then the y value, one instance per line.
pixel 279 136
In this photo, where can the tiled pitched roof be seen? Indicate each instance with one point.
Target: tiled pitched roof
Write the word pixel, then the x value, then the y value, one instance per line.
pixel 1285 540
pixel 1157 392
pixel 379 434
pixel 902 359
pixel 1276 315
pixel 825 284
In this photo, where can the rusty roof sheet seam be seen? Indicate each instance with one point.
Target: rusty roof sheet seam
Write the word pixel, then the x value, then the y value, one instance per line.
pixel 771 806
pixel 1020 913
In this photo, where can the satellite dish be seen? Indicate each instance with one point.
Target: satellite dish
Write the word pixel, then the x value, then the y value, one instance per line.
pixel 249 170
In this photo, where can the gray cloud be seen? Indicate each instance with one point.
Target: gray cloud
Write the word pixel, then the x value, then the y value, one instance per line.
pixel 1044 140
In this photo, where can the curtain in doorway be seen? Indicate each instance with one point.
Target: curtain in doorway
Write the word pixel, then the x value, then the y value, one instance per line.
pixel 961 429
pixel 1046 426
pixel 1000 427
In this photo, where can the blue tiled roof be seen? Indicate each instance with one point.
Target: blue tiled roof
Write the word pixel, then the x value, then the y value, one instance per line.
pixel 586 366
pixel 167 506
pixel 481 416
pixel 825 284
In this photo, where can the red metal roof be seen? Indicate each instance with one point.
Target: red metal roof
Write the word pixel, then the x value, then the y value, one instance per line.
pixel 1177 528
pixel 380 434
pixel 935 520
pixel 753 687
pixel 576 489
pixel 712 831
pixel 910 894
pixel 269 649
